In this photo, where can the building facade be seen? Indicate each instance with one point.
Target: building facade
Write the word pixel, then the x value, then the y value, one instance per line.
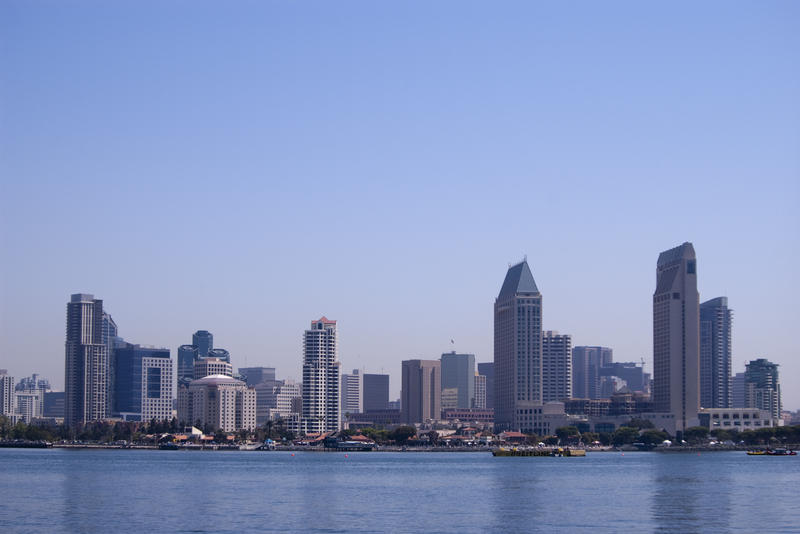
pixel 676 336
pixel 421 394
pixel 257 375
pixel 219 402
pixel 351 392
pixel 376 392
pixel 143 383
pixel 587 361
pixel 762 389
pixel 86 373
pixel 716 382
pixel 458 372
pixel 556 366
pixel 487 369
pixel 517 350
pixel 480 392
pixel 320 377
pixel 211 366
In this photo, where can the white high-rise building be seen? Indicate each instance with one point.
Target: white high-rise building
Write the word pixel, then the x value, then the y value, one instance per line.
pixel 556 366
pixel 676 337
pixel 320 378
pixel 6 393
pixel 352 392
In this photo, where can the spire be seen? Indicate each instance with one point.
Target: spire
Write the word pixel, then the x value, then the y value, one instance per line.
pixel 519 279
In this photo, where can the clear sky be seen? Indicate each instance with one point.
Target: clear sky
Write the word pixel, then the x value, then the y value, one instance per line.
pixel 246 168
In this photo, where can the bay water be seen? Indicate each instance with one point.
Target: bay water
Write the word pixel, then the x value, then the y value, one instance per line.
pixel 104 491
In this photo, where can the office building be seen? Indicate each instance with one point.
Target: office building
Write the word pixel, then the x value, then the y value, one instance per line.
pixel 480 392
pixel 376 392
pixel 517 350
pixel 556 366
pixel 487 369
pixel 143 383
pixel 218 401
pixel 211 366
pixel 586 364
pixel 257 375
pixel 86 362
pixel 762 389
pixel 631 373
pixel 458 372
pixel 421 395
pixel 203 341
pixel 202 347
pixel 716 388
pixel 738 390
pixel 320 377
pixel 53 404
pixel 34 384
pixel 280 399
pixel 351 393
pixel 187 355
pixel 676 336
pixel 27 405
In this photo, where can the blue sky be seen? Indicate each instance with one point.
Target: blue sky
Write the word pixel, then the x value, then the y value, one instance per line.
pixel 248 168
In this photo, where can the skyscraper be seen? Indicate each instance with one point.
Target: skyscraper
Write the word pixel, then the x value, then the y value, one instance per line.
pixel 204 341
pixel 487 369
pixel 556 366
pixel 143 385
pixel 517 350
pixel 351 392
pixel 676 336
pixel 376 392
pixel 762 389
pixel 320 377
pixel 421 392
pixel 716 383
pixel 458 371
pixel 586 365
pixel 6 393
pixel 86 365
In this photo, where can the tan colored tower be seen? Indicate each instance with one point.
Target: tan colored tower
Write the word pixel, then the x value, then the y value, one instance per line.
pixel 676 336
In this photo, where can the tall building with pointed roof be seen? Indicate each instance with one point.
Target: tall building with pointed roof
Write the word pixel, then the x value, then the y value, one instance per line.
pixel 517 351
pixel 320 377
pixel 676 336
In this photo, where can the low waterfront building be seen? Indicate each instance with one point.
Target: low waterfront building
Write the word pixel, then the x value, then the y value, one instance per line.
pixel 218 401
pixel 375 419
pixel 485 417
pixel 737 418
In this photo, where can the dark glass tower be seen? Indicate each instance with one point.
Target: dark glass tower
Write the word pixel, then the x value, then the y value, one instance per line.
pixel 716 384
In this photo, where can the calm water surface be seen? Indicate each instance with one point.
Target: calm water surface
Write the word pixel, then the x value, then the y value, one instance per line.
pixel 188 491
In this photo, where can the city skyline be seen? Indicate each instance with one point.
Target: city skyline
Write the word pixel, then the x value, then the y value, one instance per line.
pixel 395 142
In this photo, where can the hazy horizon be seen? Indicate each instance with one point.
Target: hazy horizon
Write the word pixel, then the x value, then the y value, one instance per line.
pixel 247 169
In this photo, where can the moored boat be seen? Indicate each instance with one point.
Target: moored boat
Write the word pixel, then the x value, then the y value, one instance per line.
pixel 524 451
